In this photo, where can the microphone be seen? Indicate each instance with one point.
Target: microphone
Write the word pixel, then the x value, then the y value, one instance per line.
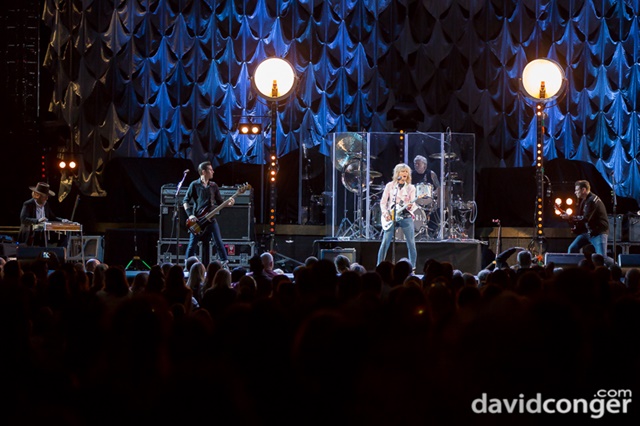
pixel 186 171
pixel 399 177
pixel 495 220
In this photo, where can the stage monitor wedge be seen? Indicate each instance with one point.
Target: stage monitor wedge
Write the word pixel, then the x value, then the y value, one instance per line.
pixel 563 260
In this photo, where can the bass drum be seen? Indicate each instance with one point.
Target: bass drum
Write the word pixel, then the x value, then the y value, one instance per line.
pixel 419 223
pixel 424 193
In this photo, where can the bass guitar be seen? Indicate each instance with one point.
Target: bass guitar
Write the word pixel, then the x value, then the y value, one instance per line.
pixel 197 225
pixel 577 223
pixel 395 212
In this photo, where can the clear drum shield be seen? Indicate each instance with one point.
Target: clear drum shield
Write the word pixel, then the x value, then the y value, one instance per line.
pixel 444 175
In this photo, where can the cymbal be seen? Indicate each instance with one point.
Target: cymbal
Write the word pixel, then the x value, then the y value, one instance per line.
pixel 374 174
pixel 447 156
pixel 455 181
pixel 348 148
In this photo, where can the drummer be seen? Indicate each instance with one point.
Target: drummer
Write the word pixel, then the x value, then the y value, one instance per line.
pixel 422 176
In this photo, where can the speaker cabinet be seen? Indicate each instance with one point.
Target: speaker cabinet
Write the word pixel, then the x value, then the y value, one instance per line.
pixel 331 254
pixel 8 250
pixel 168 229
pixel 236 223
pixel 54 256
pixel 634 228
pixel 93 248
pixel 629 260
pixel 618 225
pixel 563 260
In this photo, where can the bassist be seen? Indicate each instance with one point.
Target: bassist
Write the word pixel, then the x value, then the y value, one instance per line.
pixel 204 194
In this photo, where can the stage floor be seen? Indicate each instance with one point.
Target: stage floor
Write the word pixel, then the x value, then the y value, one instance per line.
pixel 465 255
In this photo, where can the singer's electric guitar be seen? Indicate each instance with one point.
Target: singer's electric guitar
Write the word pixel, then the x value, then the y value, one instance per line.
pixel 577 222
pixel 395 213
pixel 205 217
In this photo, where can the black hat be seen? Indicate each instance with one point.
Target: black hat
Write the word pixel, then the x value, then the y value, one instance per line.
pixel 43 188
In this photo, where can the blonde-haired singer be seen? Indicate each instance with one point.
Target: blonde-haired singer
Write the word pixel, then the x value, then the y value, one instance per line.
pixel 398 206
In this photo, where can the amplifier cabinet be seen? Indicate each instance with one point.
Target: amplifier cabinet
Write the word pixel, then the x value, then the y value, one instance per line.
pixel 236 223
pixel 634 228
pixel 168 194
pixel 238 252
pixel 563 260
pixel 331 254
pixel 168 227
pixel 54 256
pixel 618 224
pixel 244 199
pixel 93 247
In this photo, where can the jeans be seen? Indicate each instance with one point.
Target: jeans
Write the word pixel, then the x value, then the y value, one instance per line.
pixel 408 229
pixel 211 231
pixel 599 243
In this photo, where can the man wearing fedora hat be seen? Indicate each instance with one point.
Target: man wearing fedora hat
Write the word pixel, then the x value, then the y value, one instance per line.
pixel 36 210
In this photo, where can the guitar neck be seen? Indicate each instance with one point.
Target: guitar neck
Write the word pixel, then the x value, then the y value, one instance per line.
pixel 215 211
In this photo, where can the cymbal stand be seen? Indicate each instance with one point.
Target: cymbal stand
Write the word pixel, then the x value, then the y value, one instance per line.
pixel 357 228
pixel 363 225
pixel 451 232
pixel 345 224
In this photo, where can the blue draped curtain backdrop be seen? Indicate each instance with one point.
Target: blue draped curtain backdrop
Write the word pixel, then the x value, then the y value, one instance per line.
pixel 153 78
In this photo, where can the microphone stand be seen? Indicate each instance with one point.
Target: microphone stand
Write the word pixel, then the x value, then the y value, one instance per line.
pixel 395 221
pixel 136 262
pixel 176 215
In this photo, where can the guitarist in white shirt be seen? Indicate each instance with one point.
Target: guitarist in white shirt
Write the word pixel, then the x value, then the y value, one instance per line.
pixel 398 205
pixel 204 194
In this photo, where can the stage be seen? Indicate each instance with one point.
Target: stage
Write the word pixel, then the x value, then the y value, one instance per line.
pixel 465 255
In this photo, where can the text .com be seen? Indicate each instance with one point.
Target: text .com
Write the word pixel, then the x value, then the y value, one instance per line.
pixel 603 402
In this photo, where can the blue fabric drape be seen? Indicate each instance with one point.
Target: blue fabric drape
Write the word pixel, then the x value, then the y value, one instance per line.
pixel 156 78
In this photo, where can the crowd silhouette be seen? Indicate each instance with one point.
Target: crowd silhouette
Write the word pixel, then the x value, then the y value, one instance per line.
pixel 83 345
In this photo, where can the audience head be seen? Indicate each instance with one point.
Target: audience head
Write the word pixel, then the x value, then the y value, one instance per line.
pixel 524 259
pixel 310 260
pixel 342 263
pixel 356 267
pixel 632 280
pixel 401 271
pixel 191 260
pixel 91 264
pixel 237 273
pixel 222 279
pixel 255 264
pixel 267 261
